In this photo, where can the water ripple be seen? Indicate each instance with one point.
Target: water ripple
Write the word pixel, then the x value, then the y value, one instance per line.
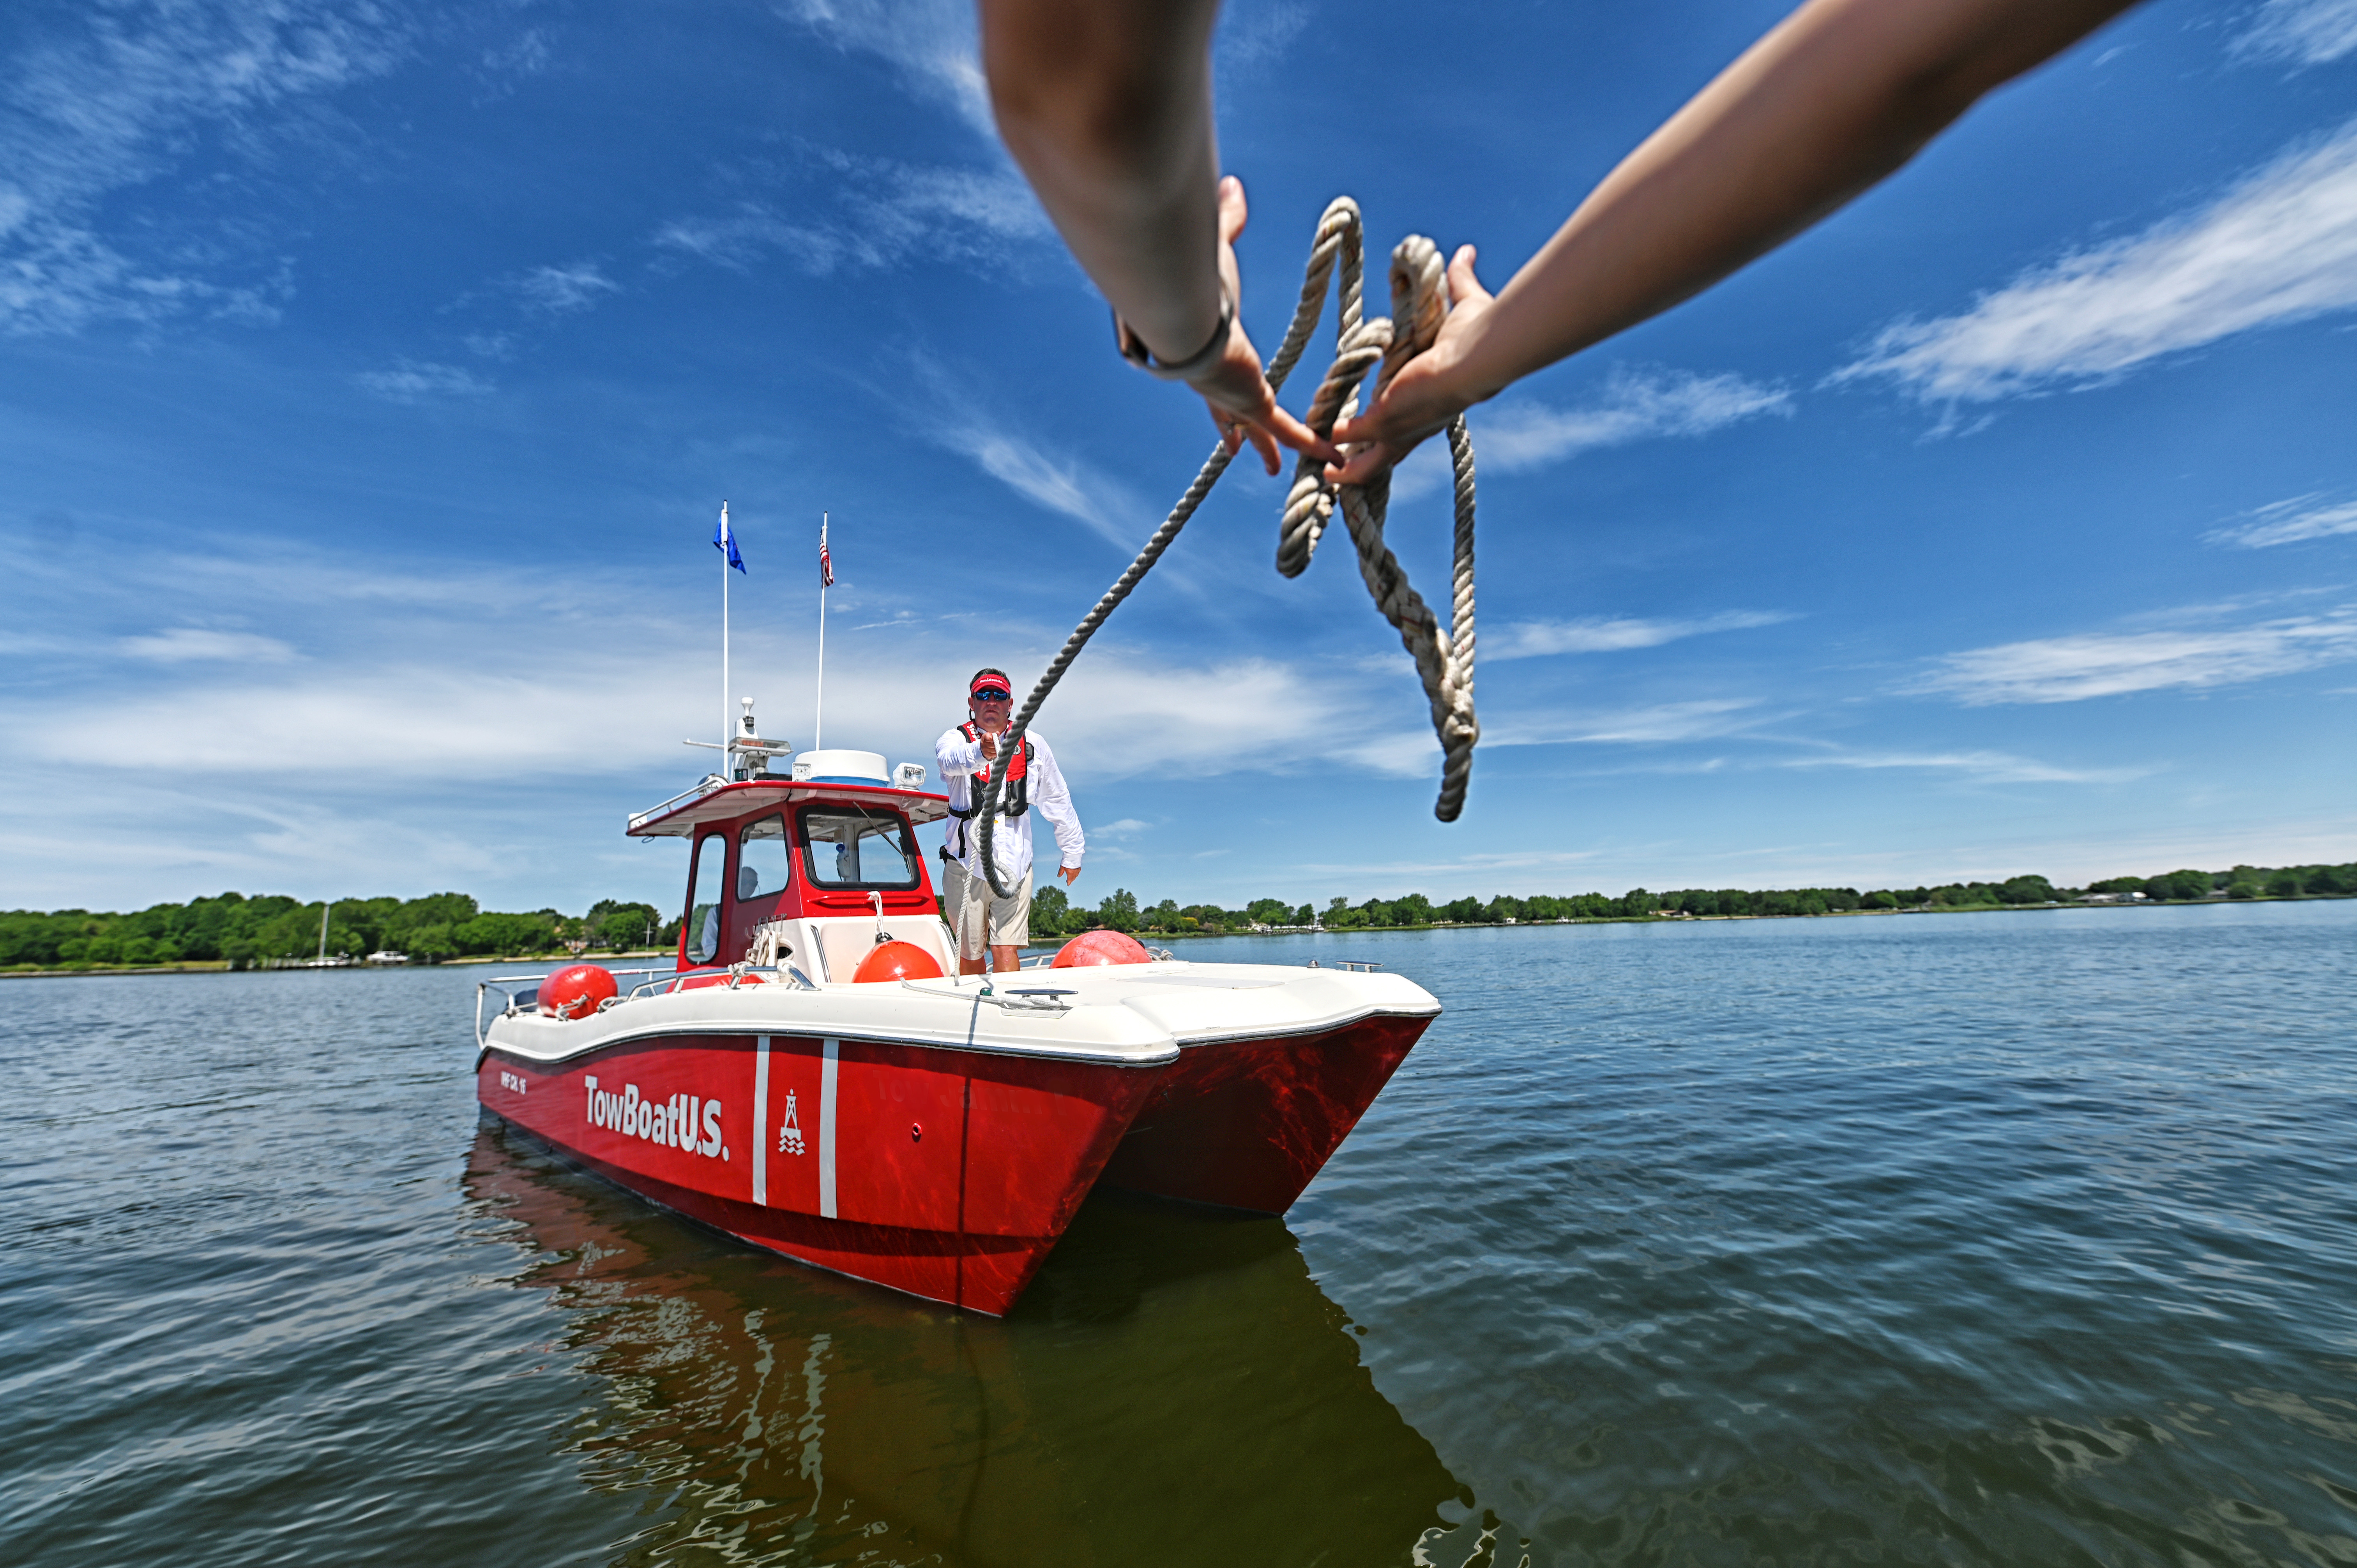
pixel 1973 1240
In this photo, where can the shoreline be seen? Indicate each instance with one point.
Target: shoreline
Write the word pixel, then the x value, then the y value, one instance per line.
pixel 221 966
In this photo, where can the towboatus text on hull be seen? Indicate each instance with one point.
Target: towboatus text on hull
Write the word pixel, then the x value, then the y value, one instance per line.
pixel 816 1080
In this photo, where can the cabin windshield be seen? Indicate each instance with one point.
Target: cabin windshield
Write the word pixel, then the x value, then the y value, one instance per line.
pixel 857 847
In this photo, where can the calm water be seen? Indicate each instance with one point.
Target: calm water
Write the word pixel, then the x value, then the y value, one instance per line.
pixel 2022 1239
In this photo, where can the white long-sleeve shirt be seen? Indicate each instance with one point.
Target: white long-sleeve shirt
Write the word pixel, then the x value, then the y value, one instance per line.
pixel 1010 838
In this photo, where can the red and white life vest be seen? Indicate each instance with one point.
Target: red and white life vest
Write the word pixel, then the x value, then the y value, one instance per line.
pixel 1013 803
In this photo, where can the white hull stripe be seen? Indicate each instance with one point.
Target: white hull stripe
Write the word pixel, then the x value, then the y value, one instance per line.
pixel 828 1050
pixel 762 1120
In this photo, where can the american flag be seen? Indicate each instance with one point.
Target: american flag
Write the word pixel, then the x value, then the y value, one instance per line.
pixel 825 560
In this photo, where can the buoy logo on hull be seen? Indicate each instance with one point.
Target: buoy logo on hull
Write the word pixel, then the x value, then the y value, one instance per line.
pixel 680 1122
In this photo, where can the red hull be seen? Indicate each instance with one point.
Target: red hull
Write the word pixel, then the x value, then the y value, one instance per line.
pixel 1246 1124
pixel 945 1173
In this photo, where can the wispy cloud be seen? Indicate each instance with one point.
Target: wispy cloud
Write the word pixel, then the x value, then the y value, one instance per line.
pixel 1654 725
pixel 2073 669
pixel 1254 32
pixel 410 721
pixel 183 644
pixel 57 278
pixel 1065 485
pixel 2304 32
pixel 112 97
pixel 2279 247
pixel 1981 766
pixel 416 380
pixel 2287 522
pixel 931 43
pixel 527 54
pixel 1062 484
pixel 1639 404
pixel 561 291
pixel 883 214
pixel 1534 640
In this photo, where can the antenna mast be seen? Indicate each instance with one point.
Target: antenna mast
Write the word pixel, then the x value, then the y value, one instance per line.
pixel 826 577
pixel 724 639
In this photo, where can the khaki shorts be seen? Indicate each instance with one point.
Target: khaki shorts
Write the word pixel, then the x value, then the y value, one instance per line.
pixel 964 902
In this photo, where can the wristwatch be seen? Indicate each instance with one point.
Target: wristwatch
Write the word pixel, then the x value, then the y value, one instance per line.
pixel 1135 350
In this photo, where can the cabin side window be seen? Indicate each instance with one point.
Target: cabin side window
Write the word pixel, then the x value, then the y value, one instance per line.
pixel 857 847
pixel 703 900
pixel 764 860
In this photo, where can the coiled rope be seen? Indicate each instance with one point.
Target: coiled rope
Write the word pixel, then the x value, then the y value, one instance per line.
pixel 1443 655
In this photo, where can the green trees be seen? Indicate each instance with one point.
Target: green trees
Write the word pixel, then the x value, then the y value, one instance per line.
pixel 243 930
pixel 616 926
pixel 1048 909
pixel 2180 885
pixel 2026 890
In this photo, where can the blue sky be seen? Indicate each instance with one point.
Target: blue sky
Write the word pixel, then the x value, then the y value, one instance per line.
pixel 370 375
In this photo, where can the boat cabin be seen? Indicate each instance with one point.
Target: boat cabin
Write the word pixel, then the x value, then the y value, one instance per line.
pixel 800 872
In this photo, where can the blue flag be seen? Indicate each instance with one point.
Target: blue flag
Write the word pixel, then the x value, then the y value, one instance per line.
pixel 722 539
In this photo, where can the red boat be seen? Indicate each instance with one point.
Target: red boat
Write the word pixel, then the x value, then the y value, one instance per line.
pixel 925 1130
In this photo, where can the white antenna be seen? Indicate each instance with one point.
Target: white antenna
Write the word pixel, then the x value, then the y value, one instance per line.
pixel 826 577
pixel 323 929
pixel 724 543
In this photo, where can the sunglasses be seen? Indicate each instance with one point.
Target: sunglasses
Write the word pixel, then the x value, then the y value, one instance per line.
pixel 992 694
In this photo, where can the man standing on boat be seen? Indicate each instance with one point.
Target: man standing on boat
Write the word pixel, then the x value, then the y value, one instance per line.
pixel 967 753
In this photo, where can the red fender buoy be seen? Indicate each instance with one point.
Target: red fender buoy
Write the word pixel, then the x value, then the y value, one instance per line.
pixel 574 991
pixel 1101 946
pixel 896 961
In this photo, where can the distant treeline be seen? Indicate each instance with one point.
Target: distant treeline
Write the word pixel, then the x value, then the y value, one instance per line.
pixel 244 932
pixel 1053 915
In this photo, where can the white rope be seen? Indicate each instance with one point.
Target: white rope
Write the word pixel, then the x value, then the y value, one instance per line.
pixel 1443 655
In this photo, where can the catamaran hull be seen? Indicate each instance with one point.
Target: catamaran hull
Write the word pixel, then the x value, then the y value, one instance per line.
pixel 946 1174
pixel 1247 1123
pixel 936 1135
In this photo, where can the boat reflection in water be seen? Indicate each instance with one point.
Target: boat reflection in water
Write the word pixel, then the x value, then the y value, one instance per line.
pixel 1175 1388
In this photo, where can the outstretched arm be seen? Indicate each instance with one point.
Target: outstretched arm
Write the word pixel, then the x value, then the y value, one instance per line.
pixel 1839 95
pixel 1053 799
pixel 1106 105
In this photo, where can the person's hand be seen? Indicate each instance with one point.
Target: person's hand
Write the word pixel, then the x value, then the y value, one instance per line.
pixel 1070 873
pixel 1243 407
pixel 989 747
pixel 1424 394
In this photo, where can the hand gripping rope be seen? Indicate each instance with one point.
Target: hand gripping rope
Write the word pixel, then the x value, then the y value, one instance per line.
pixel 1444 655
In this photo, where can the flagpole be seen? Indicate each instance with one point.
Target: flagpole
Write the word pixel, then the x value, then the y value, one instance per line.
pixel 818 719
pixel 725 737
